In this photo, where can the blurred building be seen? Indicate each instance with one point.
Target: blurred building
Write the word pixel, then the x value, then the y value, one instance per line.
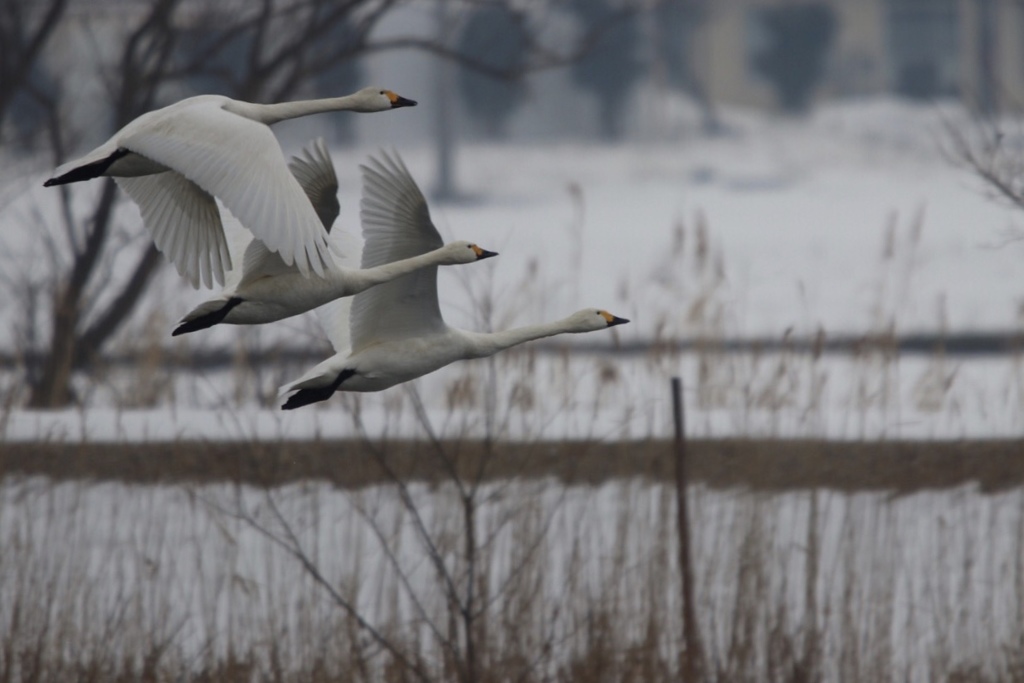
pixel 970 49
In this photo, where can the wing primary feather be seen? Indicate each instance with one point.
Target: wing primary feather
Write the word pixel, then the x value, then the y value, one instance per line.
pixel 232 159
pixel 184 223
pixel 396 225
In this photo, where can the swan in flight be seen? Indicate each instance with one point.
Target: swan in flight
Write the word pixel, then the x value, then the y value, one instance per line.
pixel 270 290
pixel 395 331
pixel 174 161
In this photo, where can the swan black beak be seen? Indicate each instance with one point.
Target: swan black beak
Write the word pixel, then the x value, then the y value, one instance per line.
pixel 616 320
pixel 400 101
pixel 481 254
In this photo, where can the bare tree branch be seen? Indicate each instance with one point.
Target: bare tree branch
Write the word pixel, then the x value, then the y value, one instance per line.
pixel 983 150
pixel 288 541
pixel 403 578
pixel 433 553
pixel 542 57
pixel 101 329
pixel 21 43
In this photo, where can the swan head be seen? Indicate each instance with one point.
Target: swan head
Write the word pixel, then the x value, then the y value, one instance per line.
pixel 456 253
pixel 374 99
pixel 592 319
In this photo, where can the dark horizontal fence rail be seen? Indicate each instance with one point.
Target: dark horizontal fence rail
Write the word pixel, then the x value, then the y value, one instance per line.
pixel 960 344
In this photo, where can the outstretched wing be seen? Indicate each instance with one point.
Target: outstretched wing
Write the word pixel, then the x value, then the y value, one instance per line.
pixel 240 162
pixel 396 225
pixel 315 172
pixel 184 223
pixel 334 316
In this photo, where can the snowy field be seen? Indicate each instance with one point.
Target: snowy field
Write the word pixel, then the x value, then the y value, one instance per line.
pixel 851 222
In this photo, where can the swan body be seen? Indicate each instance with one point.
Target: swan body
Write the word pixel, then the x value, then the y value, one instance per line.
pixel 173 162
pixel 395 332
pixel 393 361
pixel 270 290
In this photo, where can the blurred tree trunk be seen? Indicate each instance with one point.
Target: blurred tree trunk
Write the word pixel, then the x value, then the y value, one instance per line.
pixel 53 388
pixel 25 28
pixel 143 63
pixel 677 25
pixel 444 141
pixel 988 99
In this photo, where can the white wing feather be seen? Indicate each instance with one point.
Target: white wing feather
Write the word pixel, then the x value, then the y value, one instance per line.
pixel 184 223
pixel 334 316
pixel 396 225
pixel 240 162
pixel 315 172
pixel 239 240
pixel 334 320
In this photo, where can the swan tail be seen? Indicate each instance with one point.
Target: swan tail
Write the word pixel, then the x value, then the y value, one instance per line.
pixel 308 393
pixel 87 171
pixel 206 315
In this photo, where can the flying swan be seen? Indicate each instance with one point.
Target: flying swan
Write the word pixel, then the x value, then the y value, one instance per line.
pixel 269 290
pixel 174 161
pixel 396 330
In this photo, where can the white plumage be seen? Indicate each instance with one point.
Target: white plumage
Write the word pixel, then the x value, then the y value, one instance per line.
pixel 396 332
pixel 174 161
pixel 268 289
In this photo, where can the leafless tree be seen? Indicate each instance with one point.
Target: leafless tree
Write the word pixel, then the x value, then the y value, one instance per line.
pixel 989 142
pixel 25 28
pixel 256 51
pixel 994 152
pixel 462 567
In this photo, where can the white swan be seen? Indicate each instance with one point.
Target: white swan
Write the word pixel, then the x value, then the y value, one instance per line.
pixel 270 290
pixel 397 332
pixel 214 146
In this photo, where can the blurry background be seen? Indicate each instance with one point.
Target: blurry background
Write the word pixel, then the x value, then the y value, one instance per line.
pixel 811 213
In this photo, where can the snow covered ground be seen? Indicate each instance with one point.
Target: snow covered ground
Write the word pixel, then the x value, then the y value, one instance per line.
pixel 852 221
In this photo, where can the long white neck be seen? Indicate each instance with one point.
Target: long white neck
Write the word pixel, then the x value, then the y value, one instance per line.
pixel 482 344
pixel 368 277
pixel 282 111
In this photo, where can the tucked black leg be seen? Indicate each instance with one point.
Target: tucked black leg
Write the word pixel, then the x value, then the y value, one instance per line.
pixel 88 171
pixel 303 397
pixel 208 320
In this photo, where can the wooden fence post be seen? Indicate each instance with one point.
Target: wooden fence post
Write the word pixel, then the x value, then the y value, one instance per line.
pixel 690 658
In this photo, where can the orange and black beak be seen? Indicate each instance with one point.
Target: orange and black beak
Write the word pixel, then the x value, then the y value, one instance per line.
pixel 481 254
pixel 612 320
pixel 399 101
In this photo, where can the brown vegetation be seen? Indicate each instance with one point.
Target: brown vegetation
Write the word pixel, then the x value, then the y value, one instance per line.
pixel 765 465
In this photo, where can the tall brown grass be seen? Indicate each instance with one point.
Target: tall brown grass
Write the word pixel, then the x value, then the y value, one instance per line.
pixel 105 581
